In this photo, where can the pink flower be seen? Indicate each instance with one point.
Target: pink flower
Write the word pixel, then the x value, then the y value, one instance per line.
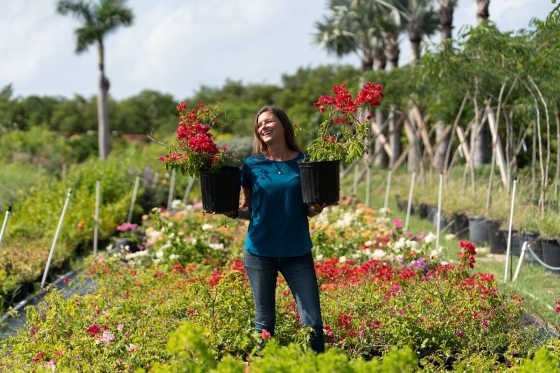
pixel 51 364
pixel 131 347
pixel 265 335
pixel 485 323
pixel 398 223
pixel 106 337
pixel 127 227
pixel 120 327
pixel 459 333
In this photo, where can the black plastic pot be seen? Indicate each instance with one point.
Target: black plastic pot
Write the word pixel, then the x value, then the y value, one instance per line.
pixel 220 189
pixel 532 238
pixel 320 181
pixel 515 246
pixel 125 244
pixel 461 225
pixel 423 210
pixel 478 230
pixel 496 238
pixel 551 251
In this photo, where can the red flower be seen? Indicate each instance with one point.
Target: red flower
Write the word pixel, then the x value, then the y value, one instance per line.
pixel 39 356
pixel 93 330
pixel 265 335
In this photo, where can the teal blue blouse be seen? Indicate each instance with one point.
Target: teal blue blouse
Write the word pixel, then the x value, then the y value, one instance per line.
pixel 278 226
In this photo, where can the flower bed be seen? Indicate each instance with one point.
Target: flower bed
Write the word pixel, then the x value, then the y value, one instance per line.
pixel 446 314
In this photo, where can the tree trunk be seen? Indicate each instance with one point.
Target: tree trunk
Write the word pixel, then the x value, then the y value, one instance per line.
pixel 482 13
pixel 446 19
pixel 102 107
pixel 415 35
pixel 381 158
pixel 415 152
pixel 440 152
pixel 482 144
pixel 103 117
pixel 394 135
pixel 367 61
pixel 392 51
pixel 379 58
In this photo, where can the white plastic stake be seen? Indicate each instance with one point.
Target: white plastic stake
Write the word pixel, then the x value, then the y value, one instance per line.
pixel 5 224
pixel 408 208
pixel 355 184
pixel 171 190
pixel 133 200
pixel 438 224
pixel 96 216
pixel 521 256
pixel 387 190
pixel 368 184
pixel 508 251
pixel 55 238
pixel 188 190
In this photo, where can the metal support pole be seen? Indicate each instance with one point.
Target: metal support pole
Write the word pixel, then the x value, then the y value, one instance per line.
pixel 57 233
pixel 438 224
pixel 508 251
pixel 133 200
pixel 408 208
pixel 387 191
pixel 188 190
pixel 96 216
pixel 171 190
pixel 5 224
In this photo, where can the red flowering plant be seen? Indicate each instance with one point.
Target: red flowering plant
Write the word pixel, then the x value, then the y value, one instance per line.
pixel 195 149
pixel 343 135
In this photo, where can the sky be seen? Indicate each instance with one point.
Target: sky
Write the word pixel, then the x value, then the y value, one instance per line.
pixel 175 46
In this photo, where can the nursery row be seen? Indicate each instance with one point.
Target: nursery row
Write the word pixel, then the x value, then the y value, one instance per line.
pixel 31 226
pixel 183 300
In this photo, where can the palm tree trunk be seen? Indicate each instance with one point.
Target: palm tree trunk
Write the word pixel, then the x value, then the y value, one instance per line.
pixel 415 36
pixel 446 19
pixel 102 107
pixel 379 58
pixel 392 51
pixel 367 61
pixel 482 13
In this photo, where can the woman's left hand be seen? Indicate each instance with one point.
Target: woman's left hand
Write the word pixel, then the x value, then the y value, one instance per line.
pixel 316 208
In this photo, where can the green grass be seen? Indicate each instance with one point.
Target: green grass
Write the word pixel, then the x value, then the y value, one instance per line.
pixel 539 288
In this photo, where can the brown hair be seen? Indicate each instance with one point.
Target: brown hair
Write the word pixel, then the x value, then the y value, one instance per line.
pixel 259 146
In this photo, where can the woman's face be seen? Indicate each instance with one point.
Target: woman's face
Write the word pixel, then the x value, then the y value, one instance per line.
pixel 269 128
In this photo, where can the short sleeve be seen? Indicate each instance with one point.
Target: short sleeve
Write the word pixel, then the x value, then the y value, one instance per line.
pixel 246 175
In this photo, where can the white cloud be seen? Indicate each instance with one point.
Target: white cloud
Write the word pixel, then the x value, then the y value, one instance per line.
pixel 174 46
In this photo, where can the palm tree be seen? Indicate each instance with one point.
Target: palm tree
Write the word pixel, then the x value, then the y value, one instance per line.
pixel 99 19
pixel 446 8
pixel 482 13
pixel 354 26
pixel 420 18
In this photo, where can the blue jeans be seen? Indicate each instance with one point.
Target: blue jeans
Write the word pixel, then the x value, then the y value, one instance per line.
pixel 299 273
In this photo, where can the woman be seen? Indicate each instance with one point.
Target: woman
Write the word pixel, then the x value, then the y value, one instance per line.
pixel 278 238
